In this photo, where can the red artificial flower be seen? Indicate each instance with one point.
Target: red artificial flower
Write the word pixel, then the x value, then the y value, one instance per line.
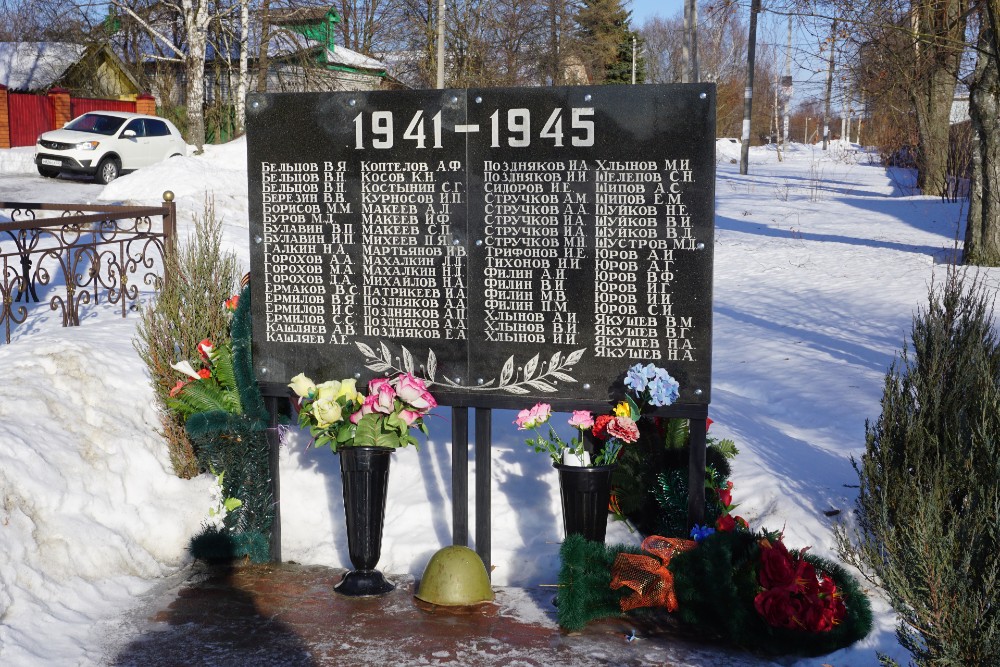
pixel 779 608
pixel 204 373
pixel 205 348
pixel 795 595
pixel 232 303
pixel 177 388
pixel 613 505
pixel 708 423
pixel 725 524
pixel 776 568
pixel 623 428
pixel 600 429
pixel 725 497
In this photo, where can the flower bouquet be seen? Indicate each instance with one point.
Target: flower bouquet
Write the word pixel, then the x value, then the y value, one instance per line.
pixel 338 415
pixel 587 461
pixel 211 387
pixel 364 430
pixel 599 440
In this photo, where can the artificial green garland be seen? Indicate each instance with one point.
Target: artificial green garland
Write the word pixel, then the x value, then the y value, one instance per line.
pixel 715 584
pixel 237 445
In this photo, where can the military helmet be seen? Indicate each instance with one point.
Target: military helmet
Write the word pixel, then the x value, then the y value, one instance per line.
pixel 455 576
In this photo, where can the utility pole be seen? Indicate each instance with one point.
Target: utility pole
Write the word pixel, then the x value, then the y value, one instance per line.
pixel 690 46
pixel 829 86
pixel 633 60
pixel 788 82
pixel 685 43
pixel 748 93
pixel 440 63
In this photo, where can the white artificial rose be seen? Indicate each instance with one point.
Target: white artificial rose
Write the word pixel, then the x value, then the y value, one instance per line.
pixel 327 411
pixel 328 390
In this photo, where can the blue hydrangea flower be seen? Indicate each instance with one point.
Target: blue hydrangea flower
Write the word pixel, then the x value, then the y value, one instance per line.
pixel 638 377
pixel 636 380
pixel 698 533
pixel 663 389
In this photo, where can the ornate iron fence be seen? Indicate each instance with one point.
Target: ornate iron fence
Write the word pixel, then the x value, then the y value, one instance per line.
pixel 83 253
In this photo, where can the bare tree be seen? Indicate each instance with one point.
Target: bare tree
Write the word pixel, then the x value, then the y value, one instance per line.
pixel 663 38
pixel 925 40
pixel 187 46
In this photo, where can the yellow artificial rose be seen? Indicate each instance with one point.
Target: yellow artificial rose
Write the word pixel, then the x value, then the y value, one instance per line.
pixel 328 390
pixel 302 385
pixel 327 411
pixel 349 390
pixel 623 410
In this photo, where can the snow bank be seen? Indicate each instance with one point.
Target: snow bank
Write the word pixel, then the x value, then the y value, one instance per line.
pixel 91 508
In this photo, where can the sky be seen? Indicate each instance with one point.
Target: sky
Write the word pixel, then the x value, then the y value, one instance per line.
pixel 642 10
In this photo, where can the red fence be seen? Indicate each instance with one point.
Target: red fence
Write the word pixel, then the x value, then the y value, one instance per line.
pixel 82 105
pixel 23 116
pixel 30 115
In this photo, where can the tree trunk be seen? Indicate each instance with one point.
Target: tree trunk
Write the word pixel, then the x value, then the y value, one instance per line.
pixel 244 80
pixel 196 20
pixel 265 39
pixel 940 32
pixel 982 233
pixel 933 95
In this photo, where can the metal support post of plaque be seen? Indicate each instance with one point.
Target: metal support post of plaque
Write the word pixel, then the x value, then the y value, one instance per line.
pixel 508 245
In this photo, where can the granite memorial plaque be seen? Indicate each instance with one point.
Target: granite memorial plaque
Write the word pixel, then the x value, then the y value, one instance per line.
pixel 509 245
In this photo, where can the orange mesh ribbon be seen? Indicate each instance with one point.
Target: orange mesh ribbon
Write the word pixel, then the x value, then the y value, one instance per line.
pixel 650 580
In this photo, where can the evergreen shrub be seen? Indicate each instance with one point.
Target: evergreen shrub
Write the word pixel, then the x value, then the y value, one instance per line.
pixel 199 277
pixel 237 445
pixel 927 513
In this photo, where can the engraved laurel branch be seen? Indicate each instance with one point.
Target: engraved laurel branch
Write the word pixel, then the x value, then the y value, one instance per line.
pixel 512 380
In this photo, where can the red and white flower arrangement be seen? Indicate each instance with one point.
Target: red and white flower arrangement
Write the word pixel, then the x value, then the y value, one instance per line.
pixel 338 415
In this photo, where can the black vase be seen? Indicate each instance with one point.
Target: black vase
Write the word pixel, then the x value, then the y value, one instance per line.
pixel 365 475
pixel 585 494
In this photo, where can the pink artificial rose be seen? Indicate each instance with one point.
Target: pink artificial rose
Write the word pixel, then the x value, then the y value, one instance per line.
pixel 412 391
pixel 384 399
pixel 533 418
pixel 375 383
pixel 581 419
pixel 624 429
pixel 541 413
pixel 177 388
pixel 410 416
pixel 356 417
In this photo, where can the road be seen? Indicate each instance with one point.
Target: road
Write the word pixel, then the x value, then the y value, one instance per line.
pixel 32 188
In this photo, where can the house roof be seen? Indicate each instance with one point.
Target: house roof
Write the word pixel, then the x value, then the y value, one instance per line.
pixel 341 55
pixel 36 65
pixel 302 15
pixel 289 44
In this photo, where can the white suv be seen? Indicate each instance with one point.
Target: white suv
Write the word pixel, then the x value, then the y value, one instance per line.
pixel 104 144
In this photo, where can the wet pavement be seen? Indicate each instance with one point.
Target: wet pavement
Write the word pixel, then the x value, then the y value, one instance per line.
pixel 288 614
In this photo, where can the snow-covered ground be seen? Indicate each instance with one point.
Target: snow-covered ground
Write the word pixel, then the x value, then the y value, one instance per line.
pixel 821 261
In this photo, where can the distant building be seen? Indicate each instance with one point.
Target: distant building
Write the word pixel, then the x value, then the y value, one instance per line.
pixel 36 67
pixel 302 56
